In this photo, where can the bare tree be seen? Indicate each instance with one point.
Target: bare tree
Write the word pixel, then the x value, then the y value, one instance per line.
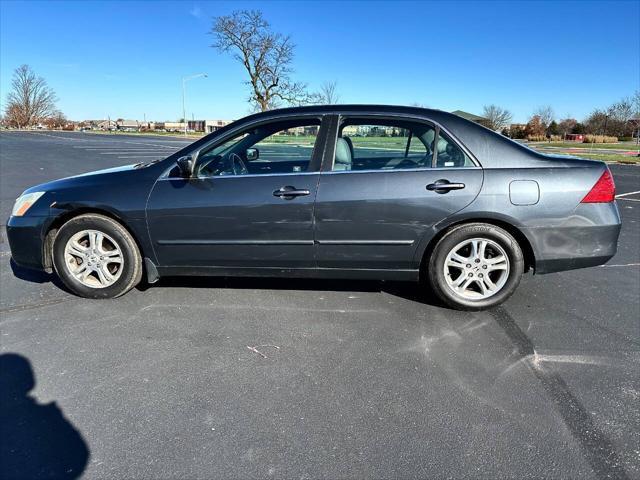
pixel 30 99
pixel 566 125
pixel 497 117
pixel 265 55
pixel 546 114
pixel 597 122
pixel 535 127
pixel 328 94
pixel 623 109
pixel 57 119
pixel 635 100
pixel 621 114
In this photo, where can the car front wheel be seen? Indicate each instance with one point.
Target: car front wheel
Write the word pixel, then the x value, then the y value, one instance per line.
pixel 96 257
pixel 475 266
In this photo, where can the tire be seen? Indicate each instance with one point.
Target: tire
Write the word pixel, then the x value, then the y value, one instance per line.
pixel 491 275
pixel 109 270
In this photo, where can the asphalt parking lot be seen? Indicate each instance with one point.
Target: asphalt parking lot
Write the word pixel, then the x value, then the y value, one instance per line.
pixel 248 378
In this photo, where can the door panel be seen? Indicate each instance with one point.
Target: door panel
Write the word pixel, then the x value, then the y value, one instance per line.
pixel 233 221
pixel 376 219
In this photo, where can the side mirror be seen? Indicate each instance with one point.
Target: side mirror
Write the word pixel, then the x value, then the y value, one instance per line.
pixel 252 154
pixel 186 164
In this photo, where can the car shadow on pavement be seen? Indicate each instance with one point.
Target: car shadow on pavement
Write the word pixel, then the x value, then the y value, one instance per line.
pixel 35 276
pixel 36 440
pixel 413 291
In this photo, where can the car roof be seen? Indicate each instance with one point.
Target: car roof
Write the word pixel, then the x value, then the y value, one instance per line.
pixel 491 149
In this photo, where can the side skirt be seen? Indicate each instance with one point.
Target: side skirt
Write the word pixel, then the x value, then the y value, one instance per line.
pixel 337 273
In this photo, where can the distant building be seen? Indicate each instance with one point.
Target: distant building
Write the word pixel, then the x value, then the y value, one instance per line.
pixel 174 126
pixel 196 125
pixel 90 124
pixel 107 125
pixel 372 131
pixel 206 126
pixel 574 137
pixel 213 125
pixel 128 125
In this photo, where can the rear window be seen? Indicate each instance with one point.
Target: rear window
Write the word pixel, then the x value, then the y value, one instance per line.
pixel 450 155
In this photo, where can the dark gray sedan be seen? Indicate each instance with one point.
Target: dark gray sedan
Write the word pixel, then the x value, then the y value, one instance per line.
pixel 367 192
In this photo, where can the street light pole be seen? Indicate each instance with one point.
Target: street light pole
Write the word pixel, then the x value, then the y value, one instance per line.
pixel 184 94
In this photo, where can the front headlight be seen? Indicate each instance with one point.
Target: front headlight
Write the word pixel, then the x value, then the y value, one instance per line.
pixel 24 203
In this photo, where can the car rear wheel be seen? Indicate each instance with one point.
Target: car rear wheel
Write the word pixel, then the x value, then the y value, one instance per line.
pixel 475 266
pixel 96 257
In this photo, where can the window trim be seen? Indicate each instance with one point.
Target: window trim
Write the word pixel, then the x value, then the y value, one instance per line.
pixel 315 164
pixel 406 149
pixel 456 143
pixel 328 160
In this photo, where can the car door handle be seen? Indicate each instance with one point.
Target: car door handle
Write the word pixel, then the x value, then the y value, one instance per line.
pixel 443 186
pixel 289 192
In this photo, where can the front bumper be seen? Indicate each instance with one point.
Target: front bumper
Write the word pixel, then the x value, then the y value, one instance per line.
pixel 26 240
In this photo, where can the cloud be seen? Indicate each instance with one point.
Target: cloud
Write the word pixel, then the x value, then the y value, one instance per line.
pixel 196 12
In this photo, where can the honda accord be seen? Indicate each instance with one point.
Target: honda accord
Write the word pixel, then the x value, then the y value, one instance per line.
pixel 360 192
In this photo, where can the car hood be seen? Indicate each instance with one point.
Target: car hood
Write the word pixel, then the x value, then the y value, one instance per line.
pixel 127 172
pixel 104 171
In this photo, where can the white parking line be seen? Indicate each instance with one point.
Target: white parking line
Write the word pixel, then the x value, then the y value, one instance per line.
pixel 125 152
pixel 627 194
pixel 60 137
pixel 122 144
pixel 176 144
pixel 623 265
pixel 120 147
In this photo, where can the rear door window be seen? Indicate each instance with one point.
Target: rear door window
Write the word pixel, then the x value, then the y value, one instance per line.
pixel 388 145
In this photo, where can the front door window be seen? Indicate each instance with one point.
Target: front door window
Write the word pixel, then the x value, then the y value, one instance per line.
pixel 270 149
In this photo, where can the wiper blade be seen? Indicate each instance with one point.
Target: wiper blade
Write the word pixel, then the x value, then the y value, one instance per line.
pixel 146 164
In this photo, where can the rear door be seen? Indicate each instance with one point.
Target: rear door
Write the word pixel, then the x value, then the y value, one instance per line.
pixel 387 183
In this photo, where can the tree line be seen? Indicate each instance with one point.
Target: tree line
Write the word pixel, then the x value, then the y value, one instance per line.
pixel 620 119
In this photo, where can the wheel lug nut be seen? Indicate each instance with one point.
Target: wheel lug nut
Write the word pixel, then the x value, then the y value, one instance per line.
pixel 484 266
pixel 480 275
pixel 471 274
pixel 468 265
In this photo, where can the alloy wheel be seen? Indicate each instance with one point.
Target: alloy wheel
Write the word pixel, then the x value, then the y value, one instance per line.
pixel 476 269
pixel 94 258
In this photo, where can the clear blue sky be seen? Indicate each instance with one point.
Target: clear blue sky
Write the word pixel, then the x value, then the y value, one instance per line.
pixel 126 59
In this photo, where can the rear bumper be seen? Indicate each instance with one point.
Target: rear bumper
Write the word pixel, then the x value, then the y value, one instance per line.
pixel 586 239
pixel 26 236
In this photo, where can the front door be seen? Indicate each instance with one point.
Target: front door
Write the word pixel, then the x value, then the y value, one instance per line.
pixel 249 204
pixel 389 183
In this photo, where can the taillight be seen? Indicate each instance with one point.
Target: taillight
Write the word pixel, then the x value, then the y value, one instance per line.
pixel 604 191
